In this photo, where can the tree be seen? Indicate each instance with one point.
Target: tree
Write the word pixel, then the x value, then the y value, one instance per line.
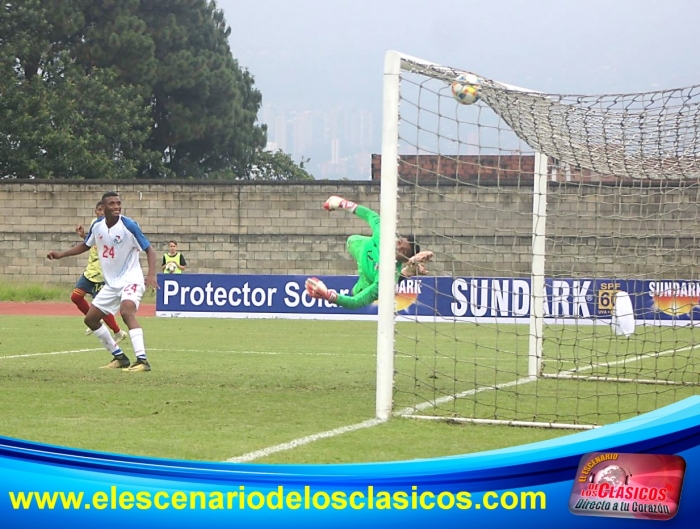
pixel 204 105
pixel 56 121
pixel 267 165
pixel 126 88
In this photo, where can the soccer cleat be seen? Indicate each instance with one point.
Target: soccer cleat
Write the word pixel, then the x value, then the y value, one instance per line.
pixel 120 336
pixel 119 361
pixel 141 364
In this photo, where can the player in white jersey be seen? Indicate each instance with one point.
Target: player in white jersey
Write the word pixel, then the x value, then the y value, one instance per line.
pixel 118 240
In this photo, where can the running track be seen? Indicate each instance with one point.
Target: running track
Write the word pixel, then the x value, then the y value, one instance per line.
pixel 47 308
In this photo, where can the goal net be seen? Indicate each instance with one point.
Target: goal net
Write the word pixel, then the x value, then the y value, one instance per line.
pixel 564 289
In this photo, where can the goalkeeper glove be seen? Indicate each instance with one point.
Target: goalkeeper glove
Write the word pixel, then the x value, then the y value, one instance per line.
pixel 316 288
pixel 415 265
pixel 336 202
pixel 421 257
pixel 414 269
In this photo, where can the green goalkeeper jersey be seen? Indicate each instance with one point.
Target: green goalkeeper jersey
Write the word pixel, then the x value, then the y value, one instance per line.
pixel 365 250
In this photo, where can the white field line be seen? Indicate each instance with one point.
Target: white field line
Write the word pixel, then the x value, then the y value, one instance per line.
pixel 303 440
pixel 448 398
pixel 631 359
pixel 251 456
pixel 27 355
pixel 287 353
pixel 262 353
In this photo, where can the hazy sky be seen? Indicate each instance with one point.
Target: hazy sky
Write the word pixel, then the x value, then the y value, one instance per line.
pixel 308 54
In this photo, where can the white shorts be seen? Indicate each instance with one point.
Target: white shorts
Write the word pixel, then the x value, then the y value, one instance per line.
pixel 109 299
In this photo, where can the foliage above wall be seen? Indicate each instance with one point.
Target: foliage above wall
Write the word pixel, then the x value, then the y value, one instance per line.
pixel 127 89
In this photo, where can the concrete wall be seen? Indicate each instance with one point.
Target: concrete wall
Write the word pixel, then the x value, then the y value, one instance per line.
pixel 221 228
pixel 272 227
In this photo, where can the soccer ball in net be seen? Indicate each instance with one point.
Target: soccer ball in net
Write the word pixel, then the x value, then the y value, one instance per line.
pixel 465 89
pixel 170 267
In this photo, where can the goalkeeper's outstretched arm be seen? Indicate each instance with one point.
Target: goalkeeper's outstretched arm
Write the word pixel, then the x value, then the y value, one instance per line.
pixel 366 214
pixel 364 297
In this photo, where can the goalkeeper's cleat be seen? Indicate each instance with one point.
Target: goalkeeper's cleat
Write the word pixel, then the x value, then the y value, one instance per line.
pixel 141 364
pixel 336 202
pixel 120 336
pixel 120 361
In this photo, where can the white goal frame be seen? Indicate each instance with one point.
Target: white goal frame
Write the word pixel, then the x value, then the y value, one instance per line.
pixel 395 63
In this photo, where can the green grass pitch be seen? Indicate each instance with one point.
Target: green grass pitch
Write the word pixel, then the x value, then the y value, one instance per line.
pixel 223 388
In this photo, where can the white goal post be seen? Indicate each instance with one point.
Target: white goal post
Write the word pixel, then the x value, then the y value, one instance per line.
pixel 542 210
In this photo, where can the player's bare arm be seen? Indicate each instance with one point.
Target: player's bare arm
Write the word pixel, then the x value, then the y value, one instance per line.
pixel 76 250
pixel 152 267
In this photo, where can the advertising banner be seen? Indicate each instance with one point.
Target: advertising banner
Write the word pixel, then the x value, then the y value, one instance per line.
pixel 581 301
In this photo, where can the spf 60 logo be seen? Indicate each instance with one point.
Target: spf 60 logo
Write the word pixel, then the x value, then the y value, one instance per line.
pixel 606 297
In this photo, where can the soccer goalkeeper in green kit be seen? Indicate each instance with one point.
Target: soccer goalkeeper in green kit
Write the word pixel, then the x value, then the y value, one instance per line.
pixel 365 250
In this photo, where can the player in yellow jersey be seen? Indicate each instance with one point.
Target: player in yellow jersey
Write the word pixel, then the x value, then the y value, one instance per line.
pixel 173 256
pixel 92 281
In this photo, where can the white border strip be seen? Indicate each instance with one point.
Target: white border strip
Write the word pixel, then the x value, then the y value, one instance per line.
pixel 266 316
pixel 412 318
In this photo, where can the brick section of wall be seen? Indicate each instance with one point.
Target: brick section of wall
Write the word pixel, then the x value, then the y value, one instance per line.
pixel 482 169
pixel 278 227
